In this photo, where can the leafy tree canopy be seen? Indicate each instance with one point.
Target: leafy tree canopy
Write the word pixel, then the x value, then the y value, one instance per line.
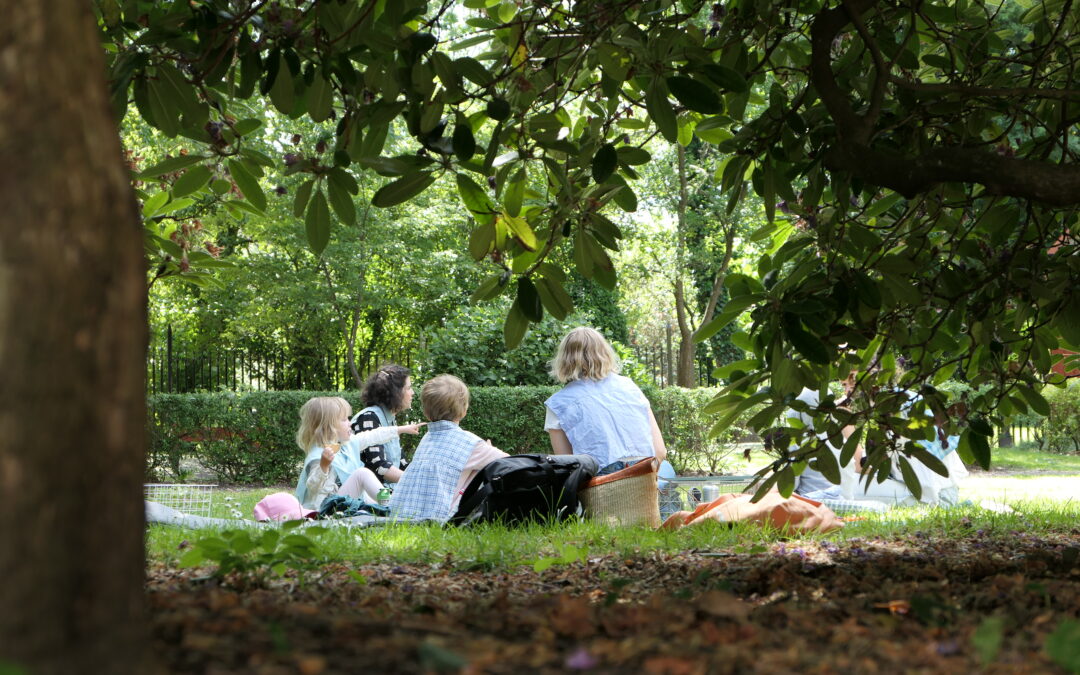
pixel 916 161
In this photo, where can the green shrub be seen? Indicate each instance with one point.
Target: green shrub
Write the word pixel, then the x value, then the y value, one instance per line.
pixel 1061 433
pixel 249 438
pixel 686 430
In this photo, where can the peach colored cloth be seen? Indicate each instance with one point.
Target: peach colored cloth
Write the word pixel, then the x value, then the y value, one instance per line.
pixel 795 513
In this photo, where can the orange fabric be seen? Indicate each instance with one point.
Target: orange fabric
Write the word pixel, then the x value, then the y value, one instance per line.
pixel 639 469
pixel 795 513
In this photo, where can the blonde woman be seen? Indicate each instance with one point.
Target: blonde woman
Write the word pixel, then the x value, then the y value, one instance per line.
pixel 330 468
pixel 599 412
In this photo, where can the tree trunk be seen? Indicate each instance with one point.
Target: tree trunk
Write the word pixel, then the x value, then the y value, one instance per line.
pixel 72 356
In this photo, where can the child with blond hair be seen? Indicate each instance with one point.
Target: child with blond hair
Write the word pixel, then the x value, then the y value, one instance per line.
pixel 332 464
pixel 447 458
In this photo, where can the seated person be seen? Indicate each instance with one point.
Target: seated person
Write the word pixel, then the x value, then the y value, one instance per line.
pixel 599 412
pixel 447 458
pixel 332 465
pixel 387 392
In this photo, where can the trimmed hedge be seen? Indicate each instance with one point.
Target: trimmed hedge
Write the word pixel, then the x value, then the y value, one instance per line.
pixel 249 438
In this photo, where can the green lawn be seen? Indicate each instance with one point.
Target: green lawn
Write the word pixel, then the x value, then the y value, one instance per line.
pixel 1014 459
pixel 1046 501
pixel 496 547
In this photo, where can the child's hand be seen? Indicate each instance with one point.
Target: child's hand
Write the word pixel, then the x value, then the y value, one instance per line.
pixel 410 428
pixel 328 455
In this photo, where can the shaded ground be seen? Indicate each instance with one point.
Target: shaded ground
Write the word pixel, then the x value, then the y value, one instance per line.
pixel 912 604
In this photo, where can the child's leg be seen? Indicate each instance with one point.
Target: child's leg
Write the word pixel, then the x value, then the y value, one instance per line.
pixel 362 484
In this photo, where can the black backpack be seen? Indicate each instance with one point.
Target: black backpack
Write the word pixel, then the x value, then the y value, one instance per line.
pixel 524 488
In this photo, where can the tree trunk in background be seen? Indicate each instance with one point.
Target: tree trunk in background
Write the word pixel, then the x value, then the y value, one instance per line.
pixel 72 356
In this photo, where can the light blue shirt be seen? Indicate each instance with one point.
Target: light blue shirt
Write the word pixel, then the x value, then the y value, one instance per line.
pixel 606 419
pixel 426 489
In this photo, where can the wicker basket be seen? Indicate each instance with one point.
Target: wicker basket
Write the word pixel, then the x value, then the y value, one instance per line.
pixel 627 497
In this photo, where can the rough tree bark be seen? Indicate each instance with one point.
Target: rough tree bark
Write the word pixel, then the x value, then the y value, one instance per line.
pixel 72 356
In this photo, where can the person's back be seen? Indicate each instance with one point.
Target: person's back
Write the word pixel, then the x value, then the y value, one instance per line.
pixel 445 460
pixel 606 419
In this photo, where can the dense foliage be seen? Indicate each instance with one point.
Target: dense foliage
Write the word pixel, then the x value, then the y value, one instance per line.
pixel 916 162
pixel 1061 430
pixel 250 438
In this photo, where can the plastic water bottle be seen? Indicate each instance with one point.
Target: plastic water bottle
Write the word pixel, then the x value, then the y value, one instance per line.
pixel 384 496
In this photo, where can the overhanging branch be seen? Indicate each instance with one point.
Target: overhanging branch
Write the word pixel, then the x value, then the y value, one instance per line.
pixel 1049 183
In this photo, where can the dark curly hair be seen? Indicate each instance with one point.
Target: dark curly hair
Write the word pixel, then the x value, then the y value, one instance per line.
pixel 386 387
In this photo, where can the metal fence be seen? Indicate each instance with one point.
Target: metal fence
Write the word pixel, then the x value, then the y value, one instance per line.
pixel 174 367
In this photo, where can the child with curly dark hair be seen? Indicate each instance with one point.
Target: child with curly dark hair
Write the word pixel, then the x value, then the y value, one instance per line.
pixel 387 392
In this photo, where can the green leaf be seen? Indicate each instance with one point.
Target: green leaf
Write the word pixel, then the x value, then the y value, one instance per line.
pixel 300 201
pixel 473 70
pixel 660 110
pixel 402 189
pixel 475 199
pixel 850 446
pixel 342 202
pixel 554 298
pixel 463 142
pixel 524 234
pixel 827 464
pixel 528 300
pixel 515 193
pixel 806 343
pixel 785 481
pixel 488 289
pixel 344 180
pixel 152 205
pixel 317 223
pixel 244 127
pixel 604 162
pixel 1035 400
pixel 191 181
pixel 725 77
pixel 171 165
pixel 282 93
pixel 980 426
pixel 911 480
pixel 1068 322
pixel 729 313
pixel 320 96
pixel 248 184
pixel 695 95
pixel 929 459
pixel 979 446
pixel 481 240
pixel 515 326
pixel 498 109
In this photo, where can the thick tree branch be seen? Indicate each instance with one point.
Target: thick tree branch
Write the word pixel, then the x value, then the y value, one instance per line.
pixel 1050 183
pixel 982 92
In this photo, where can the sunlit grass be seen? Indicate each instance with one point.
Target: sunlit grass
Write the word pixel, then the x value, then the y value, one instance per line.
pixel 1023 459
pixel 500 548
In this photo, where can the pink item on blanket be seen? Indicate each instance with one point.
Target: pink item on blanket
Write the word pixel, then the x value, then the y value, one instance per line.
pixel 281 506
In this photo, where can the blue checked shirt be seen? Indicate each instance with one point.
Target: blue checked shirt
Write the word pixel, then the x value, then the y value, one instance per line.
pixel 426 489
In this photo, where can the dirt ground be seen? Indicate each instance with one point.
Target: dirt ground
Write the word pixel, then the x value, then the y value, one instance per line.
pixel 996 604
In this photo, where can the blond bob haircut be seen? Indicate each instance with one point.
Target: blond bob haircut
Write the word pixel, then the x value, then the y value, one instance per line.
pixel 584 354
pixel 444 397
pixel 318 419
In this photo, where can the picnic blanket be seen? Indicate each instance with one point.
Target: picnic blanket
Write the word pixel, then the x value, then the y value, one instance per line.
pixel 794 513
pixel 165 515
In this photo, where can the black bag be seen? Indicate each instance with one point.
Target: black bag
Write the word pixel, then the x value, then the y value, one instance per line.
pixel 522 488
